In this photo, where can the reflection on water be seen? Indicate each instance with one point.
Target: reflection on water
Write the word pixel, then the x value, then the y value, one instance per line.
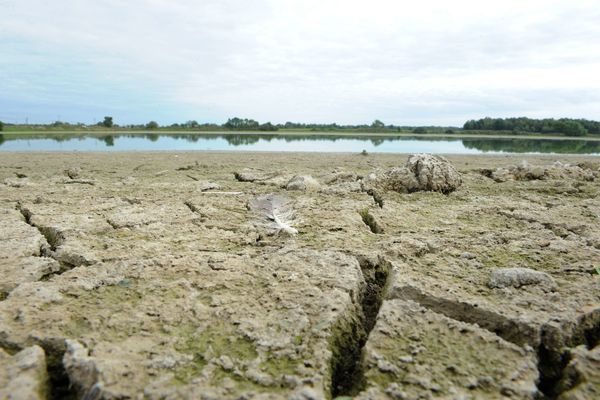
pixel 534 146
pixel 311 143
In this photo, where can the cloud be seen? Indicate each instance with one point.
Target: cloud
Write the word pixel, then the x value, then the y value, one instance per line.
pixel 347 61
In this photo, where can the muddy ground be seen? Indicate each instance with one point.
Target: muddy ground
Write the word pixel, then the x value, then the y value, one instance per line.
pixel 140 275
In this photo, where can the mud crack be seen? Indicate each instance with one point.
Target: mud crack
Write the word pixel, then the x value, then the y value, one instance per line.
pixel 370 221
pixel 192 207
pixel 377 198
pixel 59 384
pixel 347 372
pixel 551 341
pixel 554 352
pixel 508 329
pixel 54 239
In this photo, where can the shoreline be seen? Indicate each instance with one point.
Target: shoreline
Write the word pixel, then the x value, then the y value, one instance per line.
pixel 591 156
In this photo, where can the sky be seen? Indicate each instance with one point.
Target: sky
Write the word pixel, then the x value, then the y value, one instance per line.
pixel 424 62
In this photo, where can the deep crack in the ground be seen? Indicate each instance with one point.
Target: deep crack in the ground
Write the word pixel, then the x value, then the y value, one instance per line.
pixel 377 198
pixel 554 357
pixel 54 238
pixel 59 385
pixel 347 377
pixel 370 221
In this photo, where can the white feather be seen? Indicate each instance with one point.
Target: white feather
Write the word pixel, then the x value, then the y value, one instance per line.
pixel 277 211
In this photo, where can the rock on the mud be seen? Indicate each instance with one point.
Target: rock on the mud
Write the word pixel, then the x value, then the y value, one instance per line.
pixel 17 183
pixel 206 185
pixel 422 172
pixel 434 173
pixel 302 182
pixel 73 173
pixel 248 175
pixel 558 170
pixel 23 376
pixel 517 277
pixel 502 175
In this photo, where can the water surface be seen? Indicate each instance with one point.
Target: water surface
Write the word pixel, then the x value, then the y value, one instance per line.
pixel 308 143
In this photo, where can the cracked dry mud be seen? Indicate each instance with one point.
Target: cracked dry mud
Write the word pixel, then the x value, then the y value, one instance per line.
pixel 147 276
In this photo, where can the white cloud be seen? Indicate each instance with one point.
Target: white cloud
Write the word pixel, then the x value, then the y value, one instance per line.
pixel 347 61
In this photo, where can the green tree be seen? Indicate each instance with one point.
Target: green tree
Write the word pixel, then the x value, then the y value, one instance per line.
pixel 420 130
pixel 267 127
pixel 108 122
pixel 152 125
pixel 571 128
pixel 1 126
pixel 377 124
pixel 241 124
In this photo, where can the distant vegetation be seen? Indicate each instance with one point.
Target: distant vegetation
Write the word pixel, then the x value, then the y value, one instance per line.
pixel 1 126
pixel 239 124
pixel 565 126
pixel 152 125
pixel 485 126
pixel 107 123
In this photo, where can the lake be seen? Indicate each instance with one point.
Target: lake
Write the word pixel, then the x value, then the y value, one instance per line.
pixel 308 143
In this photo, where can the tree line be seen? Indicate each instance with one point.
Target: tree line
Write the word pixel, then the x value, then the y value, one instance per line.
pixel 516 126
pixel 247 124
pixel 565 126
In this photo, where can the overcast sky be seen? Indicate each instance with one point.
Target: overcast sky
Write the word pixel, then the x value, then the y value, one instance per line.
pixel 403 62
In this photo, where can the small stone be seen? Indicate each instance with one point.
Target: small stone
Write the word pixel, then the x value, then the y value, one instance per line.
pixel 302 183
pixel 518 277
pixel 226 363
pixel 248 175
pixel 205 186
pixel 73 173
pixel 386 366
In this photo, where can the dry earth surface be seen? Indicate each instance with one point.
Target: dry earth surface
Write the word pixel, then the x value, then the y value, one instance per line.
pixel 151 275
